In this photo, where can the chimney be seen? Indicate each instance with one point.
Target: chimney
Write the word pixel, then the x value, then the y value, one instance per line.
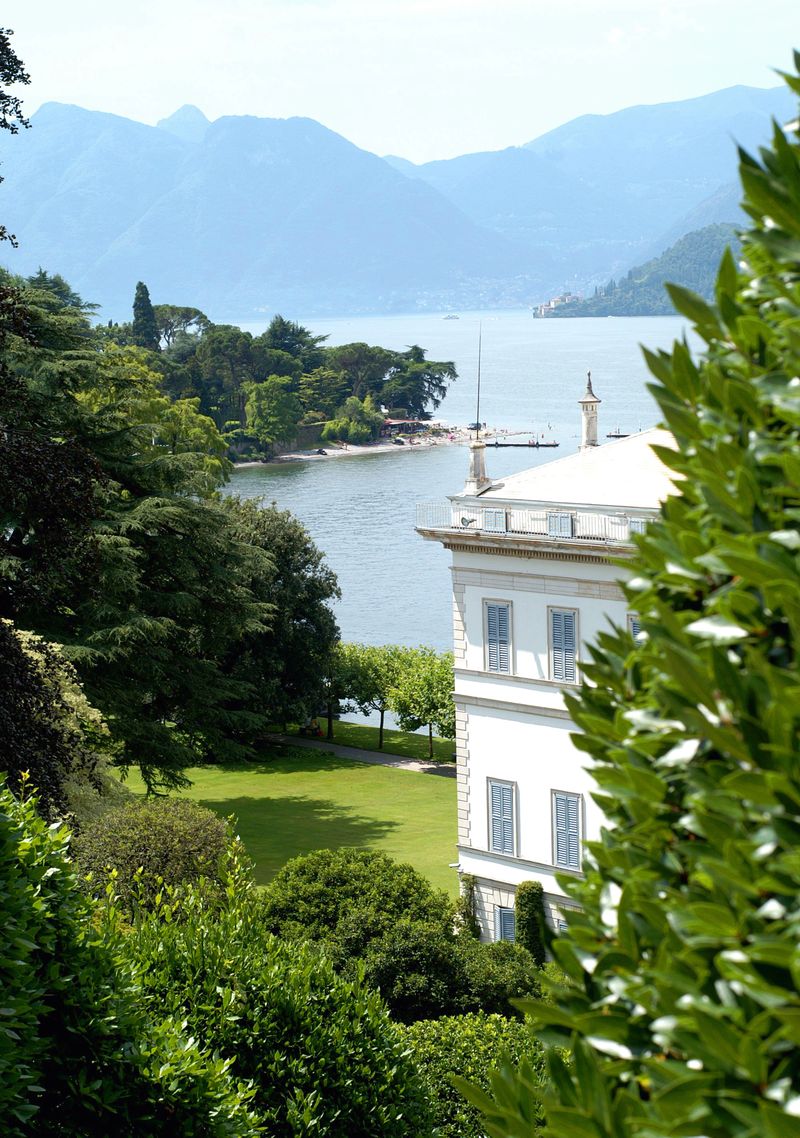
pixel 589 405
pixel 477 481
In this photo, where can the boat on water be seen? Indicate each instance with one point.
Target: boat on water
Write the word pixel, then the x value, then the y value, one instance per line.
pixel 451 316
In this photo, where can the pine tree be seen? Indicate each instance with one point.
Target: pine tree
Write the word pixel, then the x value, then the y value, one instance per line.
pixel 145 328
pixel 679 1015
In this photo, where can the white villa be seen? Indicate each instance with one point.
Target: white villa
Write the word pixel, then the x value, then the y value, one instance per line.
pixel 533 581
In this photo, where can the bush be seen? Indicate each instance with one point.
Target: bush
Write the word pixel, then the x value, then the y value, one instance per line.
pixel 348 897
pixel 469 1047
pixel 418 970
pixel 530 920
pixel 496 974
pixel 325 1058
pixel 154 841
pixel 79 1053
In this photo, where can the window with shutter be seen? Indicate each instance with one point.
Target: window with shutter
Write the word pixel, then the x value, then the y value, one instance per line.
pixel 637 525
pixel 494 521
pixel 498 637
pixel 563 645
pixel 634 625
pixel 559 525
pixel 501 817
pixel 566 829
pixel 505 924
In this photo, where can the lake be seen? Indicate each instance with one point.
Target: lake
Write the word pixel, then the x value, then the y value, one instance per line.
pixel 360 510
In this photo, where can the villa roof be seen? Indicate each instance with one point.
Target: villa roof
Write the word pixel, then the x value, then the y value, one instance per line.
pixel 622 473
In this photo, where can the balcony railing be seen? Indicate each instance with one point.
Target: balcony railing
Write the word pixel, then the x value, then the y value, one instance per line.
pixel 553 524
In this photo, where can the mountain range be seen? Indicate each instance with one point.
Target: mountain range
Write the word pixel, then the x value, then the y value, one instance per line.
pixel 246 216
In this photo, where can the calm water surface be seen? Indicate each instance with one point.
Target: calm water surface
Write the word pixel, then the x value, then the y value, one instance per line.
pixel 360 510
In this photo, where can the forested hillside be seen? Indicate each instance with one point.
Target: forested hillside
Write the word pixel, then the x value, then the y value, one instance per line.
pixel 692 261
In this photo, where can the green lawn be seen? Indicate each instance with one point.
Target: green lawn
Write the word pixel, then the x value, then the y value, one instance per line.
pixel 406 743
pixel 304 800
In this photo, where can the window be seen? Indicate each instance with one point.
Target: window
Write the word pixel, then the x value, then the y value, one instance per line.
pixel 567 829
pixel 505 925
pixel 562 645
pixel 501 817
pixel 634 625
pixel 494 521
pixel 637 525
pixel 559 525
pixel 498 637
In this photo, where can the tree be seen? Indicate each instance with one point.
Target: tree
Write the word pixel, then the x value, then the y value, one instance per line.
pixel 374 672
pixel 282 667
pixel 272 410
pixel 145 328
pixel 49 733
pixel 357 421
pixel 416 384
pixel 680 996
pixel 323 390
pixel 530 919
pixel 287 336
pixel 423 694
pixel 173 320
pixel 11 117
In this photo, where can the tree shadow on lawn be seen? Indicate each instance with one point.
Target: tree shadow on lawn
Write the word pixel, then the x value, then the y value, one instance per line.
pixel 288 763
pixel 276 829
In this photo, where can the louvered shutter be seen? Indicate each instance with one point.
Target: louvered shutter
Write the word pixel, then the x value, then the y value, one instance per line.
pixel 635 625
pixel 498 638
pixel 559 525
pixel 567 826
pixel 562 636
pixel 502 818
pixel 506 924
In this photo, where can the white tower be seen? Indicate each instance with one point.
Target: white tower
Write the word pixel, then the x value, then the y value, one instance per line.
pixel 589 405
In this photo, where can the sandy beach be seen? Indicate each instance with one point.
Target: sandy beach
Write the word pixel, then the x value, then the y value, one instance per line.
pixel 458 436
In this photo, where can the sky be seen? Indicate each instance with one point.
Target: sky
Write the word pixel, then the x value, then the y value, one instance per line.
pixel 423 79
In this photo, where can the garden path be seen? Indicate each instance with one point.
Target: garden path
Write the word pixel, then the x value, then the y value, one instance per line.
pixel 378 758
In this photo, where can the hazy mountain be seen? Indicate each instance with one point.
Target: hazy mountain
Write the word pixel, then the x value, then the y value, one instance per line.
pixel 601 189
pixel 248 215
pixel 242 216
pixel 692 261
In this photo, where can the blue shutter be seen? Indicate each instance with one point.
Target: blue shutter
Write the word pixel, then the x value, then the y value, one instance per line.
pixel 506 924
pixel 567 826
pixel 559 525
pixel 498 639
pixel 501 837
pixel 635 625
pixel 562 636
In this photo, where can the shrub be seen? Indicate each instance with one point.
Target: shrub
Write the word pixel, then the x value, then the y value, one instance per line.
pixel 154 841
pixel 323 1054
pixel 79 1053
pixel 349 896
pixel 681 997
pixel 418 970
pixel 530 920
pixel 470 1047
pixel 496 974
pixel 466 912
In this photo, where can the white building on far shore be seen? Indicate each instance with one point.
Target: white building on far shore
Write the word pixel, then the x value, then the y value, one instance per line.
pixel 533 582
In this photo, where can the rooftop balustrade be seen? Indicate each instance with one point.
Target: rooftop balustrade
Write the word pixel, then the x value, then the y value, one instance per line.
pixel 562 524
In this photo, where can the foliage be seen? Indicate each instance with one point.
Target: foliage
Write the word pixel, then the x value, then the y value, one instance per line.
pixel 373 671
pixel 690 262
pixel 79 1052
pixel 681 994
pixel 282 667
pixel 323 1055
pixel 272 409
pixel 144 330
pixel 466 911
pixel 374 913
pixel 174 320
pixel 423 694
pixel 470 1047
pixel 530 919
pixel 49 733
pixel 12 71
pixel 357 421
pixel 151 843
pixel 347 897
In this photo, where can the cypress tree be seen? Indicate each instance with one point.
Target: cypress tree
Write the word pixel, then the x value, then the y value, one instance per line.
pixel 530 922
pixel 144 329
